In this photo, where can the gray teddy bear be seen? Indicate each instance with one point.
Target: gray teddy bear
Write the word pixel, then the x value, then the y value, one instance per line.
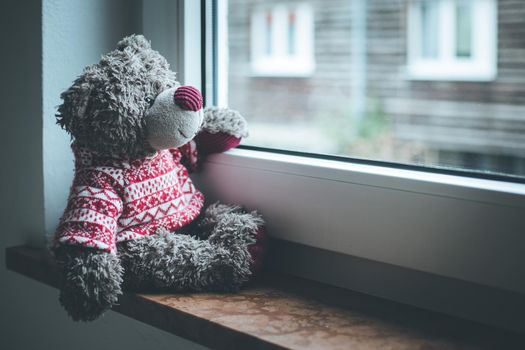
pixel 134 219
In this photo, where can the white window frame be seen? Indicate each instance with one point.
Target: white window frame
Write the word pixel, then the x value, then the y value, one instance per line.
pixel 466 228
pixel 280 63
pixel 483 64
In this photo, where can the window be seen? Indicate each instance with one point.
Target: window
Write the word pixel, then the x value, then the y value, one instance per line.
pixel 453 112
pixel 281 40
pixel 462 227
pixel 452 40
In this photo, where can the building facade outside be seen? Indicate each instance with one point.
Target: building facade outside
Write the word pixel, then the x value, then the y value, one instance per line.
pixel 431 82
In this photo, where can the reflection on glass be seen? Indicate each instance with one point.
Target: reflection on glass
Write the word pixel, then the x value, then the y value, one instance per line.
pixel 358 100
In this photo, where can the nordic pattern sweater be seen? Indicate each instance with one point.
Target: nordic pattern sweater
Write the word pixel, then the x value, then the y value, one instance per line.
pixel 113 200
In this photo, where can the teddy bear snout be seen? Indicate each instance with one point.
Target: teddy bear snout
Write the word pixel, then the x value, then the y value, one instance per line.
pixel 174 118
pixel 188 98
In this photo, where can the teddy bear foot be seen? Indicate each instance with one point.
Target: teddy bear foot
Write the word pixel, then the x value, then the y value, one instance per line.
pixel 240 232
pixel 236 228
pixel 233 227
pixel 179 262
pixel 212 215
pixel 227 224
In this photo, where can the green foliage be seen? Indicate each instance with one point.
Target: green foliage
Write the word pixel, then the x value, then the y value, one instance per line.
pixel 374 122
pixel 346 130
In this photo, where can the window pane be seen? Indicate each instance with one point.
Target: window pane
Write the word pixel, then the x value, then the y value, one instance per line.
pixel 291 33
pixel 463 29
pixel 268 33
pixel 355 98
pixel 429 28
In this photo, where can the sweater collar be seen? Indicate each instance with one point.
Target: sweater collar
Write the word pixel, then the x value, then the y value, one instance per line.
pixel 85 157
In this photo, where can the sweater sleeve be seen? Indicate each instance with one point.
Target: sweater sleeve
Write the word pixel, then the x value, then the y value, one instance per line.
pixel 208 143
pixel 190 155
pixel 90 218
pixel 205 143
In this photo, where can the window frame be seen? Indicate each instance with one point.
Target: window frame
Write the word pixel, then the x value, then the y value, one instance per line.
pixel 487 210
pixel 447 67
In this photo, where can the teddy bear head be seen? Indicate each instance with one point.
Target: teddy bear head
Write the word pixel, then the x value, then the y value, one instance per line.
pixel 130 104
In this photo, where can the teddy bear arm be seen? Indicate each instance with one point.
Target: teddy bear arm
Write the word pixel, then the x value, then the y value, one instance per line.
pixel 91 281
pixel 93 209
pixel 222 129
pixel 85 246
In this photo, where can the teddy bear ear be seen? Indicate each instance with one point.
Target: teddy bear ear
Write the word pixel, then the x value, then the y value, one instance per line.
pixel 73 109
pixel 135 41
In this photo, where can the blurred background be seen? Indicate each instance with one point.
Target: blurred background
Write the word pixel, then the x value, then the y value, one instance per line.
pixel 426 82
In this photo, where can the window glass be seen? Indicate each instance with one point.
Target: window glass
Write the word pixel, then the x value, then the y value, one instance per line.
pixel 438 83
pixel 463 29
pixel 291 33
pixel 429 28
pixel 441 44
pixel 268 33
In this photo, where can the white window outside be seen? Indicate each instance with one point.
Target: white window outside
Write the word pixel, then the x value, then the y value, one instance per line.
pixel 282 40
pixel 452 40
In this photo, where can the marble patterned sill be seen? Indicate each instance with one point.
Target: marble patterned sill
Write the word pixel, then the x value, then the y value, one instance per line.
pixel 284 312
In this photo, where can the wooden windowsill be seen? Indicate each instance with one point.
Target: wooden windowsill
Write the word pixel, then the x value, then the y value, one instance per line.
pixel 279 312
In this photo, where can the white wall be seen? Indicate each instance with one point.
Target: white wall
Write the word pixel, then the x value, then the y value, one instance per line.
pixel 46 43
pixel 75 33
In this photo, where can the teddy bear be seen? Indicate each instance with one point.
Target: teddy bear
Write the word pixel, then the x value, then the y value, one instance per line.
pixel 134 219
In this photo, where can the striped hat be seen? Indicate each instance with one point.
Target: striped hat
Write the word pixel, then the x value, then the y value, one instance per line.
pixel 188 98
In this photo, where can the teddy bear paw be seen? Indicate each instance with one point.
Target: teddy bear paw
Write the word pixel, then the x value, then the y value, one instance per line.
pixel 224 120
pixel 92 283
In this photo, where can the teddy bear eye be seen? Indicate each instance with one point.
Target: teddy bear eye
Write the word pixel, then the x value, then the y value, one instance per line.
pixel 149 100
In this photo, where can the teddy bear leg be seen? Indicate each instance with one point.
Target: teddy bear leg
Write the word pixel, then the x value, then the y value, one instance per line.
pixel 179 262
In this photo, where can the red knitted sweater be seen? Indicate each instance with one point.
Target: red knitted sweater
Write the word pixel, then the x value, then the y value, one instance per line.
pixel 113 200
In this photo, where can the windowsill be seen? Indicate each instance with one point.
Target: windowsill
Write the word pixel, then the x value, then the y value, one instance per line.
pixel 451 71
pixel 284 312
pixel 420 181
pixel 427 75
pixel 447 225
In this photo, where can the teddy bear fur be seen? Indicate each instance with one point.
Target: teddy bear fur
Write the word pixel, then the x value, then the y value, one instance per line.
pixel 105 111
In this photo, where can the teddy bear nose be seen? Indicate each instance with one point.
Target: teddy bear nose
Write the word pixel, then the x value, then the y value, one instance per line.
pixel 188 98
